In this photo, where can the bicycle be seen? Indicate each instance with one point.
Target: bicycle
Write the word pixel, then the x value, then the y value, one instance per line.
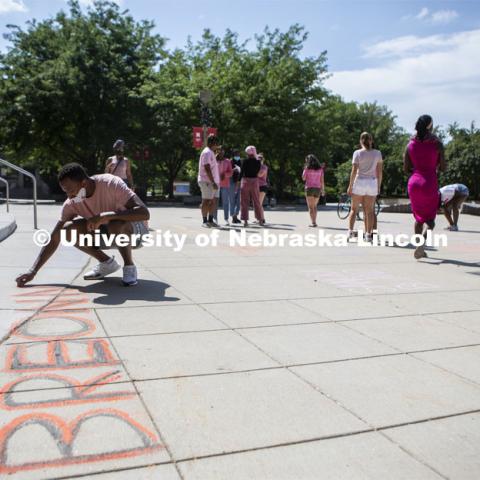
pixel 344 207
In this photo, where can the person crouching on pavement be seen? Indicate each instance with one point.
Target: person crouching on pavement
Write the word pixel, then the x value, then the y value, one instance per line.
pixel 105 203
pixel 452 198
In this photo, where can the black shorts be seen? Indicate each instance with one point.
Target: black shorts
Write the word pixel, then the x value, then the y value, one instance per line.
pixel 264 188
pixel 313 192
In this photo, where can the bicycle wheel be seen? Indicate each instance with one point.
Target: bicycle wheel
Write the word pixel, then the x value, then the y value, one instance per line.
pixel 343 207
pixel 378 207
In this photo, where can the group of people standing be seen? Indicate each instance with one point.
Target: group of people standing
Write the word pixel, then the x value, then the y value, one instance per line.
pixel 242 182
pixel 237 182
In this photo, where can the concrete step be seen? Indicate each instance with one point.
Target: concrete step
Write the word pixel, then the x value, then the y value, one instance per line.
pixel 7 226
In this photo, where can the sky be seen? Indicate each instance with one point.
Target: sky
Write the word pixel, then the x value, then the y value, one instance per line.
pixel 414 56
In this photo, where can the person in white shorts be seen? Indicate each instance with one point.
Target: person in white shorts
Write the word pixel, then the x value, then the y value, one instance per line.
pixel 365 183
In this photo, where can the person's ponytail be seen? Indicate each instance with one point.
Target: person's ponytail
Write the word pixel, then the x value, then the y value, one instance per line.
pixel 422 125
pixel 366 140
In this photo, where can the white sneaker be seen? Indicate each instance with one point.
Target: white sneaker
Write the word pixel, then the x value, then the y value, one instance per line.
pixel 102 269
pixel 129 275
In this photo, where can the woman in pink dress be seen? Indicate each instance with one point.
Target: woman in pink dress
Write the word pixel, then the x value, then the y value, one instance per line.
pixel 314 185
pixel 423 158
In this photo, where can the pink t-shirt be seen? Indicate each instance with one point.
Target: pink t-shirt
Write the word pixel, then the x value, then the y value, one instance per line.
pixel 110 195
pixel 207 157
pixel 313 178
pixel 225 167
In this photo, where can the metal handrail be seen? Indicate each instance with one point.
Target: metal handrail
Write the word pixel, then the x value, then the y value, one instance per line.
pixel 28 174
pixel 8 192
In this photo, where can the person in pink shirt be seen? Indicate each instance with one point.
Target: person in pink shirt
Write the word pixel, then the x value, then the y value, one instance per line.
pixel 105 203
pixel 225 171
pixel 314 185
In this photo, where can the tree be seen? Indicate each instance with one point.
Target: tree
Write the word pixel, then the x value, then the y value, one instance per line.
pixel 344 122
pixel 462 154
pixel 68 85
pixel 263 96
pixel 172 109
pixel 72 84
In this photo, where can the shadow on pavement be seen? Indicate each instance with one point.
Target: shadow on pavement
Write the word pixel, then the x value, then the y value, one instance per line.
pixel 412 247
pixel 343 229
pixel 114 293
pixel 442 261
pixel 110 291
pixel 253 228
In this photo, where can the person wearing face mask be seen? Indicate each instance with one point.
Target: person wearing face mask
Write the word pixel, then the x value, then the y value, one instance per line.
pixel 225 172
pixel 235 186
pixel 119 165
pixel 422 160
pixel 105 203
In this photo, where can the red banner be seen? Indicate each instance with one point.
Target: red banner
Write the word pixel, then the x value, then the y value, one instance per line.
pixel 198 135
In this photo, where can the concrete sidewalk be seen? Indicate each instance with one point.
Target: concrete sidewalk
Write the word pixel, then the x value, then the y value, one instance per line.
pixel 244 362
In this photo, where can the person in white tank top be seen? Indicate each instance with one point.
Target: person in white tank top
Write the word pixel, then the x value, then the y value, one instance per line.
pixel 119 165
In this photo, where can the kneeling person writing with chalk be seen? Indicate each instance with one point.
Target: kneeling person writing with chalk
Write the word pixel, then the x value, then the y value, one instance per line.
pixel 104 203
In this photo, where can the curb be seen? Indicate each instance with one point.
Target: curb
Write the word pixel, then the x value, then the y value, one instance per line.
pixel 397 208
pixel 7 227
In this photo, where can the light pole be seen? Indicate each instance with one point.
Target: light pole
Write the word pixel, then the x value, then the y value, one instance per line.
pixel 205 99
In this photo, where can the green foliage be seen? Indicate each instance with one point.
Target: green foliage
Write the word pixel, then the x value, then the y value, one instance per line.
pixel 346 122
pixel 263 96
pixel 172 111
pixel 342 174
pixel 69 84
pixel 462 154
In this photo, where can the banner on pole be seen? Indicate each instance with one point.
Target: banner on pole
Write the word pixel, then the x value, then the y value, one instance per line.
pixel 198 135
